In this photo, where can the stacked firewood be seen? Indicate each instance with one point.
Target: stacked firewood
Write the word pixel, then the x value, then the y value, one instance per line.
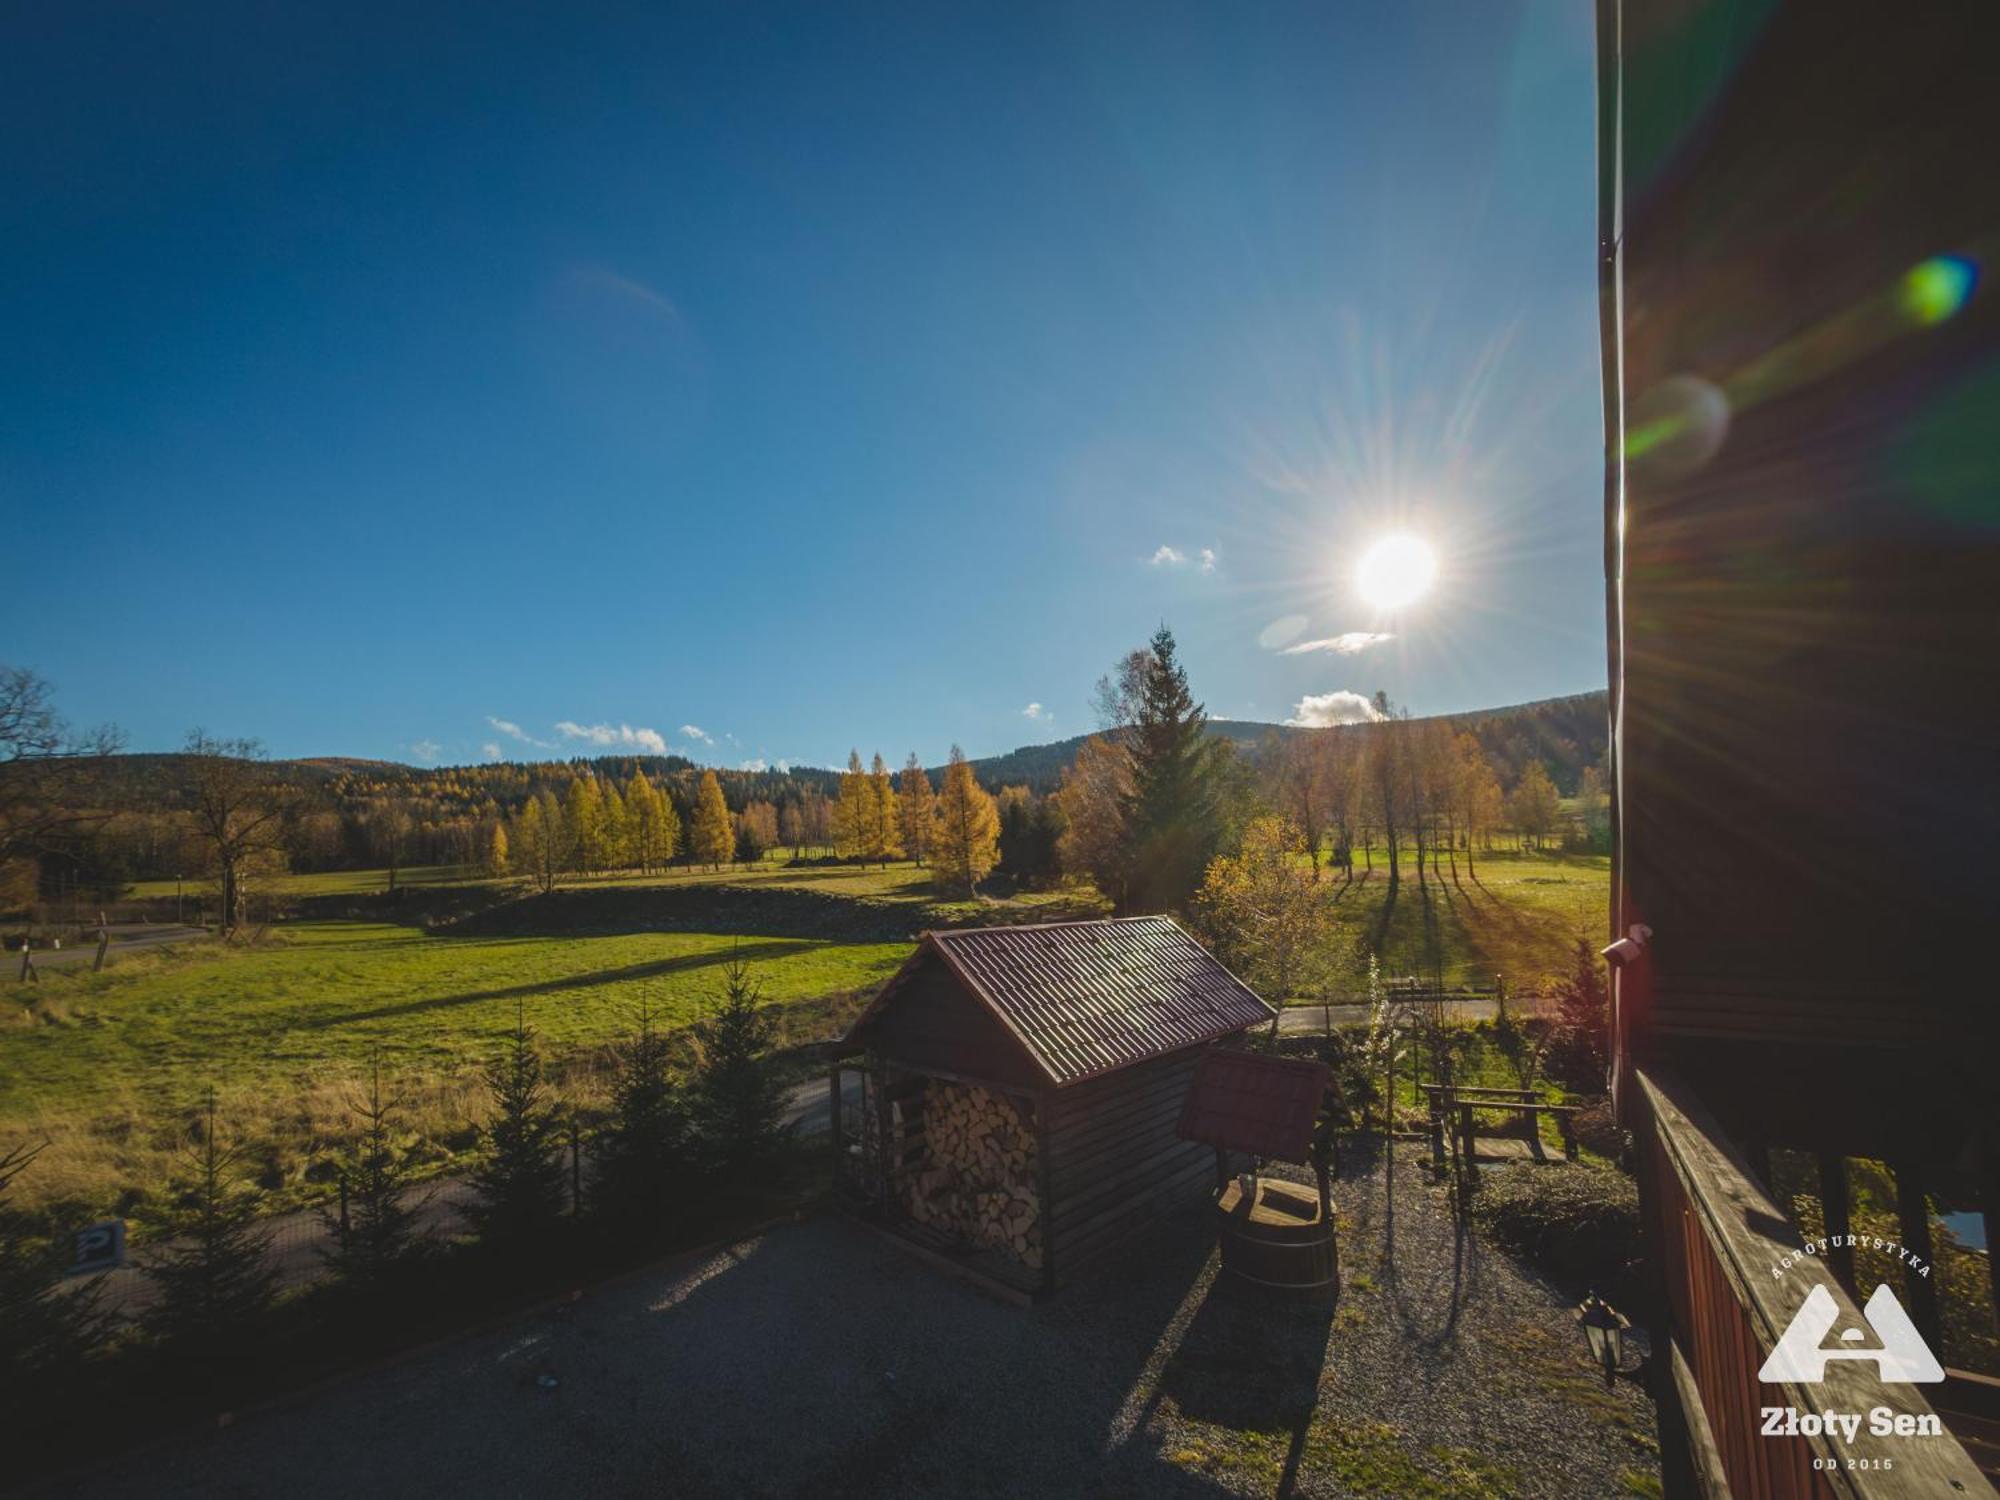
pixel 976 1180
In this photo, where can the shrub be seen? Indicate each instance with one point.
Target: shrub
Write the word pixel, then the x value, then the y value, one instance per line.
pixel 1579 1223
pixel 1581 1047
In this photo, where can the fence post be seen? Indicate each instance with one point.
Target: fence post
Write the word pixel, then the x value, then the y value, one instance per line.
pixel 575 1169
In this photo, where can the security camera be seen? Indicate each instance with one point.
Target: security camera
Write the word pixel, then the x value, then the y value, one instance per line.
pixel 1628 948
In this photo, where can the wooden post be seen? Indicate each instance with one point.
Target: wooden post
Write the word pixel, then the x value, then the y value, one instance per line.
pixel 886 1181
pixel 1989 1209
pixel 1468 1151
pixel 1919 1292
pixel 1836 1211
pixel 834 1125
pixel 575 1167
pixel 1045 1188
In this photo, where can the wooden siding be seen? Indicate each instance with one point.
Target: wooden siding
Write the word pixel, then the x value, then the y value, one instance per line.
pixel 1718 1233
pixel 1808 657
pixel 1114 1160
pixel 934 1026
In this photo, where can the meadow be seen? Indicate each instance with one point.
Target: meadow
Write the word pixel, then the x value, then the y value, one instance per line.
pixel 109 1067
pixel 1518 916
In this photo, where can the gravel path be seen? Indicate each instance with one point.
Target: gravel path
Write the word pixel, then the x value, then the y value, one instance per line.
pixel 819 1360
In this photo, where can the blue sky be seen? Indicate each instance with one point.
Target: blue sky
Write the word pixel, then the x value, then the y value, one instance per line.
pixel 808 376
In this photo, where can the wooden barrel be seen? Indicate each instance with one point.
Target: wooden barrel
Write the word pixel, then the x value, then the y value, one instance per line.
pixel 1279 1239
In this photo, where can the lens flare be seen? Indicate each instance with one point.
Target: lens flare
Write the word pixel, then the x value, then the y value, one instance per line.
pixel 1937 288
pixel 1396 571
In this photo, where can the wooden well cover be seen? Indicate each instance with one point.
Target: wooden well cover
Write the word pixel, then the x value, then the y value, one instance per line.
pixel 1244 1101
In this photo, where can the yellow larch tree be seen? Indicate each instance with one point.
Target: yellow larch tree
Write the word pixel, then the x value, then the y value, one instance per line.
pixel 966 845
pixel 712 840
pixel 854 817
pixel 885 834
pixel 914 809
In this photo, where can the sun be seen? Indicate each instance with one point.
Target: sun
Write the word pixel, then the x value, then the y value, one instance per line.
pixel 1397 571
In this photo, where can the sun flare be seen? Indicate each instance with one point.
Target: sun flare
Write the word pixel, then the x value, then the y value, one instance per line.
pixel 1396 571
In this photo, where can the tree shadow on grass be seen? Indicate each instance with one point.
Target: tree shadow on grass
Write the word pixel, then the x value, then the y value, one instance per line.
pixel 683 963
pixel 761 910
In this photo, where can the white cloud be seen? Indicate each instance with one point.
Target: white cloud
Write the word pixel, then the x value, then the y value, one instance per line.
pixel 696 732
pixel 491 750
pixel 1169 556
pixel 514 731
pixel 1039 714
pixel 1324 710
pixel 614 737
pixel 755 763
pixel 1352 643
pixel 426 751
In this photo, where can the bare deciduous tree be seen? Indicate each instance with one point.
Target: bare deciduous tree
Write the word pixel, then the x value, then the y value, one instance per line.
pixel 1120 691
pixel 47 771
pixel 238 809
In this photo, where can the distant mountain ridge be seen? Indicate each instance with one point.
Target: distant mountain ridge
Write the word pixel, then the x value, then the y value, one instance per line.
pixel 1565 734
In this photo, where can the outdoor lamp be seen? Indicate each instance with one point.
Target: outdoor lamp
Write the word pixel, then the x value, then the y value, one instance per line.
pixel 1604 1330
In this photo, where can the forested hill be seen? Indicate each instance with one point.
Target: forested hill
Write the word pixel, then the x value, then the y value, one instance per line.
pixel 1565 734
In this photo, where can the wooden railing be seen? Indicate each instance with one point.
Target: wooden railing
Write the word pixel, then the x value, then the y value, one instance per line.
pixel 1721 1240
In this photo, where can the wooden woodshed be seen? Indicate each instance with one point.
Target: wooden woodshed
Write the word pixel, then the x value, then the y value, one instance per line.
pixel 1010 1100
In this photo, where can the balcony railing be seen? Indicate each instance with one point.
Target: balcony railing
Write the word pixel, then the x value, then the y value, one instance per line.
pixel 1721 1239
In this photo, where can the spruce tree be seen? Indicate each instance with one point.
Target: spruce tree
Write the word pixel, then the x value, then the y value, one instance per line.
pixel 211 1267
pixel 737 1098
pixel 639 1155
pixel 1174 811
pixel 374 1233
pixel 519 1187
pixel 1580 1054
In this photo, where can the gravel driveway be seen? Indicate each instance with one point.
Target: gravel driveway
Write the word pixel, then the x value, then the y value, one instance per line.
pixel 819 1360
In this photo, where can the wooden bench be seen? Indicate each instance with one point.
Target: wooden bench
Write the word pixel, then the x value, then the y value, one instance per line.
pixel 1458 1101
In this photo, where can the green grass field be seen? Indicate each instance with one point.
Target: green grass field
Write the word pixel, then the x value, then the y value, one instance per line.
pixel 895 881
pixel 1518 919
pixel 108 1066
